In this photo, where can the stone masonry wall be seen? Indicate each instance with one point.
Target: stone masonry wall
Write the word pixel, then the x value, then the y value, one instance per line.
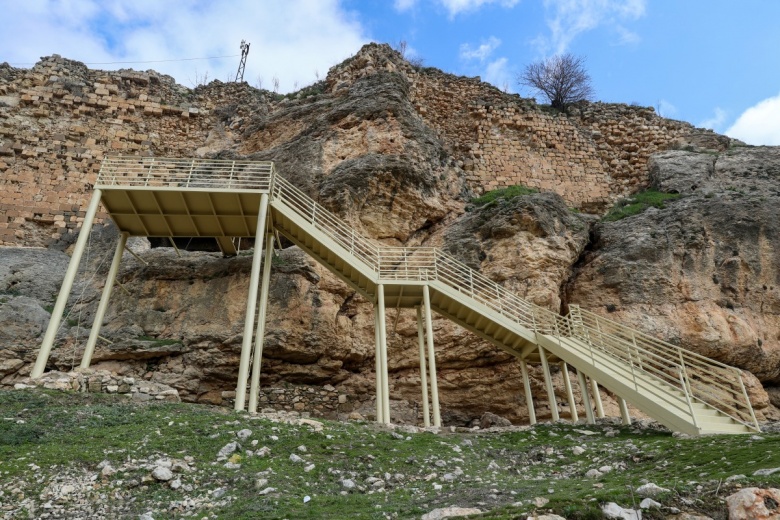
pixel 59 119
pixel 592 156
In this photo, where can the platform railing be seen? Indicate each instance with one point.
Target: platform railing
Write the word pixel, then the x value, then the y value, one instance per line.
pixel 164 173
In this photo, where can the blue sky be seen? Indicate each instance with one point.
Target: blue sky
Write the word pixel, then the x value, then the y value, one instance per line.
pixel 714 63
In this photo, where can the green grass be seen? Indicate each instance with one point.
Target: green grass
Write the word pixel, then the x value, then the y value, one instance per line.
pixel 638 203
pixel 503 194
pixel 72 433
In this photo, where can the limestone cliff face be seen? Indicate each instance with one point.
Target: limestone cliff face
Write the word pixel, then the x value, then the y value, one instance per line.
pixel 705 271
pixel 398 152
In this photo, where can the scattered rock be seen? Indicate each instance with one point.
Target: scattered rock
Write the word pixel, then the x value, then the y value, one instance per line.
pixel 449 512
pixel 227 449
pixel 295 458
pixel 162 474
pixel 489 420
pixel 612 510
pixel 244 434
pixel 754 504
pixel 650 490
pixel 649 503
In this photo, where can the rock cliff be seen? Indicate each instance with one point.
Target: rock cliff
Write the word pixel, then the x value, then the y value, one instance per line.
pixel 399 152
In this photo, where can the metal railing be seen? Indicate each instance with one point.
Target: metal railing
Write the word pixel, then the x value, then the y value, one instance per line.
pixel 209 174
pixel 698 378
pixel 643 360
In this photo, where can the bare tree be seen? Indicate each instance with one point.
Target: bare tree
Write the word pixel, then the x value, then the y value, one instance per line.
pixel 561 78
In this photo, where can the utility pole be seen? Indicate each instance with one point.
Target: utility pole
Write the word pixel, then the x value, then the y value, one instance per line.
pixel 244 53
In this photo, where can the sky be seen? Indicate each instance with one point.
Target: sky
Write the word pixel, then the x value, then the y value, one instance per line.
pixel 713 63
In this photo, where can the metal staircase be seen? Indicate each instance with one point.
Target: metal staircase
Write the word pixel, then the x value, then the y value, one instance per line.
pixel 683 390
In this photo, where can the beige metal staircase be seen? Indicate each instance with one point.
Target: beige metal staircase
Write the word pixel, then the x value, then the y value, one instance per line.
pixel 683 390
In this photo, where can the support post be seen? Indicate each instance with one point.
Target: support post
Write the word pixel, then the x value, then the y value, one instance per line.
pixel 624 411
pixel 597 398
pixel 86 359
pixel 529 398
pixel 431 357
pixel 549 385
pixel 380 291
pixel 423 376
pixel 67 285
pixel 569 392
pixel 380 409
pixel 257 359
pixel 586 398
pixel 251 306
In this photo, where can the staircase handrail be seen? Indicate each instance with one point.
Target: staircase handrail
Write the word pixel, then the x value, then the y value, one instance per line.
pixel 732 398
pixel 326 222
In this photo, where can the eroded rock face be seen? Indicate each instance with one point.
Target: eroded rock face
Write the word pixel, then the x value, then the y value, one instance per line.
pixel 528 244
pixel 705 271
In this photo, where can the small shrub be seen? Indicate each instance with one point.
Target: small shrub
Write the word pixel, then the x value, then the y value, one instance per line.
pixel 504 193
pixel 638 203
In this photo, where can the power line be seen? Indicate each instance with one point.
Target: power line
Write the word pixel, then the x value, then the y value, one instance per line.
pixel 149 61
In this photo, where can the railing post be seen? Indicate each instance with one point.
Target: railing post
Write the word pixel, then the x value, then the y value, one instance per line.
pixel 687 396
pixel 631 366
pixel 684 373
pixel 747 399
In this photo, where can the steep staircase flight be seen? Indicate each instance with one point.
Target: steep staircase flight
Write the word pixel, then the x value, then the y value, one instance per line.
pixel 685 391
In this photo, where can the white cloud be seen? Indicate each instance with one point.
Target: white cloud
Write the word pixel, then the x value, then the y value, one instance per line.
pixel 290 39
pixel 497 72
pixel 481 52
pixel 404 5
pixel 759 124
pixel 463 6
pixel 715 122
pixel 570 18
pixel 666 109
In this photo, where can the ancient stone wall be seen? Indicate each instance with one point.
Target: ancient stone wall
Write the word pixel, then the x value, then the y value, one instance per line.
pixel 592 156
pixel 59 119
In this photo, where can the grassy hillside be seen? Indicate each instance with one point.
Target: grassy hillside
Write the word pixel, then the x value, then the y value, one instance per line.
pixel 86 455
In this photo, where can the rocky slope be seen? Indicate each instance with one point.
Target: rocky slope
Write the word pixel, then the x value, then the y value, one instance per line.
pixel 396 151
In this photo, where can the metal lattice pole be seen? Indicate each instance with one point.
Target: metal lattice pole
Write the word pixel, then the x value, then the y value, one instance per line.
pixel 242 64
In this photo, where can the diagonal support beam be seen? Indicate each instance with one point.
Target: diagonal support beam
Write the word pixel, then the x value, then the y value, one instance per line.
pixel 67 286
pixel 86 359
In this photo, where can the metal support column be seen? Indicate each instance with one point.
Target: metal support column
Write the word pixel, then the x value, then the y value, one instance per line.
pixel 86 359
pixel 431 357
pixel 569 392
pixel 380 292
pixel 67 285
pixel 529 398
pixel 597 398
pixel 624 411
pixel 251 306
pixel 380 409
pixel 423 376
pixel 257 358
pixel 549 385
pixel 586 398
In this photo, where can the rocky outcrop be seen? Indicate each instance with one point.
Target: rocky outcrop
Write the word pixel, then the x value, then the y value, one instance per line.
pixel 398 152
pixel 702 272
